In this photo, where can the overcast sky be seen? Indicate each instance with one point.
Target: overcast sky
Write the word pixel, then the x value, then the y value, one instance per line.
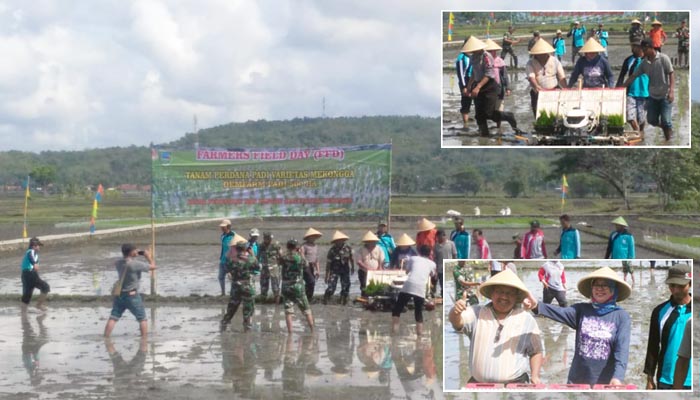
pixel 88 74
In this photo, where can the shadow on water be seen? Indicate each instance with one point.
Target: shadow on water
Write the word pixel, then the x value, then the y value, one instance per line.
pixel 559 340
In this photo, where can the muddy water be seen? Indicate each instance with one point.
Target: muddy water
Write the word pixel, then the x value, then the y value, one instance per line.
pixel 519 104
pixel 351 355
pixel 188 259
pixel 648 291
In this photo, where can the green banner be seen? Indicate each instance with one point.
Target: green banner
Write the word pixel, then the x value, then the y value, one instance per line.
pixel 247 182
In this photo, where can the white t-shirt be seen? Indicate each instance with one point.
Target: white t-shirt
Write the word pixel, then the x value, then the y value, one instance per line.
pixel 419 270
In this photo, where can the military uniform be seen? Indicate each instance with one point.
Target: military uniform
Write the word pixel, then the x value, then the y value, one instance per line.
pixel 466 273
pixel 338 266
pixel 242 269
pixel 293 287
pixel 270 271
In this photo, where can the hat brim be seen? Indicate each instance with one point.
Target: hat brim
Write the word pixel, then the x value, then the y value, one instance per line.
pixel 585 284
pixel 504 278
pixel 677 281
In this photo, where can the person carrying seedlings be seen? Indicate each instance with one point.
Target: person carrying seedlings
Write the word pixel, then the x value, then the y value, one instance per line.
pixel 544 72
pixel 420 270
pixel 339 265
pixel 293 285
pixel 309 251
pixel 129 270
pixel 270 253
pixel 241 265
pixel 30 276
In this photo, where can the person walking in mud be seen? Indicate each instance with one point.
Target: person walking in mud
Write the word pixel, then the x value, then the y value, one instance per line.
pixel 420 270
pixel 464 72
pixel 242 266
pixel 293 265
pixel 577 33
pixel 461 238
pixel 270 253
pixel 309 250
pixel 544 72
pixel 666 327
pixel 129 270
pixel 226 236
pixel 636 33
pixel 620 242
pixel 508 41
pixel 386 242
pixel 484 87
pixel 253 241
pixel 30 276
pixel 637 90
pixel 559 45
pixel 444 250
pixel 661 87
pixel 533 246
pixel 683 35
pixel 465 283
pixel 657 35
pixel 339 265
pixel 569 240
pixel 553 279
pixel 592 67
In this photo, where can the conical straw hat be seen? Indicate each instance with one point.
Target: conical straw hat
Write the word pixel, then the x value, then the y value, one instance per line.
pixel 635 21
pixel 338 235
pixel 405 240
pixel 620 221
pixel 491 45
pixel 370 237
pixel 542 47
pixel 656 22
pixel 237 239
pixel 504 278
pixel 592 46
pixel 312 232
pixel 472 45
pixel 425 225
pixel 584 285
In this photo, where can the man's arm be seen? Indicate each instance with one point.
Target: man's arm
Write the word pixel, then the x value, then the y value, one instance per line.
pixel 671 87
pixel 621 351
pixel 456 314
pixel 652 357
pixel 535 366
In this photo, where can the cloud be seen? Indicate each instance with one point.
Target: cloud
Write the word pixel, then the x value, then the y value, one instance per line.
pixel 117 73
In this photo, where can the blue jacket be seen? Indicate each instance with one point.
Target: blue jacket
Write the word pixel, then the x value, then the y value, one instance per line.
pixel 620 245
pixel 463 243
pixel 640 86
pixel 225 244
pixel 386 243
pixel 464 70
pixel 663 343
pixel 570 244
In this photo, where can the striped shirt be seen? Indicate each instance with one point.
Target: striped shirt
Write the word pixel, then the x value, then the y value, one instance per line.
pixel 509 357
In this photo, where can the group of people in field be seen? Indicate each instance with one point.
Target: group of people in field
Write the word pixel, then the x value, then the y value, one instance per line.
pixel 647 74
pixel 507 343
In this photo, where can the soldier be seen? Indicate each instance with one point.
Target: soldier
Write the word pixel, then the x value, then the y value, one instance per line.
pixel 293 265
pixel 242 266
pixel 339 264
pixel 270 253
pixel 465 281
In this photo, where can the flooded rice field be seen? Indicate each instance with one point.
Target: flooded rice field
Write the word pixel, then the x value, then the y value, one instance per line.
pixel 648 291
pixel 188 258
pixel 518 102
pixel 61 354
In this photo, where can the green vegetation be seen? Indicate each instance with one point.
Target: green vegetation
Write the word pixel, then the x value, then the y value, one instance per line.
pixel 616 120
pixel 689 241
pixel 377 289
pixel 546 119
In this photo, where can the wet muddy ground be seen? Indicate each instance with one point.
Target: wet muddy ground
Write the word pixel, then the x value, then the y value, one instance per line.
pixel 453 133
pixel 188 258
pixel 350 355
pixel 648 291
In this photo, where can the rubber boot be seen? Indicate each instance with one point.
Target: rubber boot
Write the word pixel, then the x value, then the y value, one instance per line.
pixel 326 298
pixel 668 133
pixel 483 129
pixel 515 58
pixel 230 312
pixel 344 300
pixel 510 118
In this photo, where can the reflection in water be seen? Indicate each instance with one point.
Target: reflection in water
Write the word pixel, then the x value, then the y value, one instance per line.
pixel 415 365
pixel 31 344
pixel 341 346
pixel 300 358
pixel 127 373
pixel 239 358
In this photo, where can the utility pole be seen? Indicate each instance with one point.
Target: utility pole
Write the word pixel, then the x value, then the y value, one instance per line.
pixel 323 115
pixel 196 133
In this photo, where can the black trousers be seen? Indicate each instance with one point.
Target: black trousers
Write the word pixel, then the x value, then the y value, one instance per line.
pixel 403 299
pixel 31 281
pixel 310 282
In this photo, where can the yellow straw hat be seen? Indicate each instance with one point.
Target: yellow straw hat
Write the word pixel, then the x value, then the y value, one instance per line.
pixel 504 278
pixel 542 47
pixel 592 46
pixel 619 221
pixel 312 232
pixel 635 21
pixel 338 235
pixel 238 239
pixel 491 45
pixel 370 237
pixel 584 285
pixel 472 45
pixel 656 22
pixel 405 240
pixel 425 225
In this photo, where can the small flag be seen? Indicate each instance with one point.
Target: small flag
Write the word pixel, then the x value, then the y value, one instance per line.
pixel 98 198
pixel 450 26
pixel 27 197
pixel 564 189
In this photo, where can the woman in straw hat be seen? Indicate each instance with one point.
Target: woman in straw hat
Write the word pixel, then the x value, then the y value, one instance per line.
pixel 506 343
pixel 544 72
pixel 420 270
pixel 339 265
pixel 371 258
pixel 657 35
pixel 309 251
pixel 427 234
pixel 602 328
pixel 484 86
pixel 594 68
pixel 404 250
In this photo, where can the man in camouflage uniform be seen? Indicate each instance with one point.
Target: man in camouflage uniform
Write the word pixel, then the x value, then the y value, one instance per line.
pixel 270 254
pixel 242 266
pixel 465 281
pixel 339 264
pixel 293 287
